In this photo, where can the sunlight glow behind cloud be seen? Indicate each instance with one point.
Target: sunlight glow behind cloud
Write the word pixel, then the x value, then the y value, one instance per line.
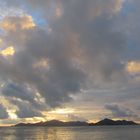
pixel 9 24
pixel 8 51
pixel 62 111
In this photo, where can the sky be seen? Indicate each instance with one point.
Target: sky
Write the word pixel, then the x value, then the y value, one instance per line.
pixel 69 60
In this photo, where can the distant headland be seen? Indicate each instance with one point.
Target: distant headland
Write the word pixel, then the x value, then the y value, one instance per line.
pixel 79 123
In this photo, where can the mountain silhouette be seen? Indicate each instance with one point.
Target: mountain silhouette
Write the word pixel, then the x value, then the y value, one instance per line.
pixel 112 122
pixel 55 123
pixel 79 123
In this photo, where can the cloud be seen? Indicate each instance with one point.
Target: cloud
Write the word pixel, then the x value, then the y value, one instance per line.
pixel 23 93
pixel 76 118
pixel 8 51
pixel 91 7
pixel 25 109
pixel 80 50
pixel 133 67
pixel 120 112
pixel 55 83
pixel 20 22
pixel 3 112
pixel 73 51
pixel 15 90
pixel 9 10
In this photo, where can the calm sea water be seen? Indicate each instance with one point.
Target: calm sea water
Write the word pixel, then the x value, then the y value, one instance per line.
pixel 71 133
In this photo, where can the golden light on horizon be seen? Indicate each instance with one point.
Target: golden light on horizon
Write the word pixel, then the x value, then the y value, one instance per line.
pixel 59 114
pixel 62 111
pixel 35 119
pixel 10 51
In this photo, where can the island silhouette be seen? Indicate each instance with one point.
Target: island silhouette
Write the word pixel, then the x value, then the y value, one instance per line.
pixel 79 123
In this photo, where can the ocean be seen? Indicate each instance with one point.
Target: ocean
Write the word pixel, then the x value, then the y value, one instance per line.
pixel 71 133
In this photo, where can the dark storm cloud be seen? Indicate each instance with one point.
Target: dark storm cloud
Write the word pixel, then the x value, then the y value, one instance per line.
pixel 13 90
pixel 3 112
pixel 25 109
pixel 22 92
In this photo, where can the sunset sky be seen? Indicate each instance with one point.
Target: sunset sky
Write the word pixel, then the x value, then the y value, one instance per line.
pixel 69 60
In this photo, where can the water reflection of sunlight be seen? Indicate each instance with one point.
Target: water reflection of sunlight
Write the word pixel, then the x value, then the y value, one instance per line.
pixel 38 133
pixel 69 133
pixel 60 133
pixel 52 133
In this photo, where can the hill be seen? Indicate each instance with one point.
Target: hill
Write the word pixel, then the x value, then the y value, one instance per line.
pixel 112 122
pixel 55 123
pixel 79 123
